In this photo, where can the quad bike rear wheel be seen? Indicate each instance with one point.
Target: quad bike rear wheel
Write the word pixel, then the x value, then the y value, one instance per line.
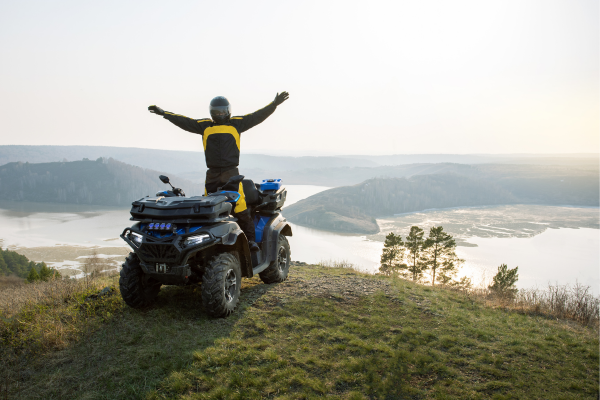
pixel 135 290
pixel 221 283
pixel 278 270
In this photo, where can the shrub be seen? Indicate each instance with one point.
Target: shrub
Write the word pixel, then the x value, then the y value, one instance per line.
pixel 504 282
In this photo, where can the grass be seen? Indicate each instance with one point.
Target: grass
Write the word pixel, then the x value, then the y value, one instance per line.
pixel 325 333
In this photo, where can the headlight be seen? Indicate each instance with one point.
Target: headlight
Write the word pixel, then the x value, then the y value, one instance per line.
pixel 135 238
pixel 194 240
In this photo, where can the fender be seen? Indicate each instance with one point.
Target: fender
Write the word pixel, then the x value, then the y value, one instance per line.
pixel 277 226
pixel 237 241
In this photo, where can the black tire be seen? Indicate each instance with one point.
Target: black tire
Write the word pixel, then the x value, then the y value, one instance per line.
pixel 221 283
pixel 278 270
pixel 135 290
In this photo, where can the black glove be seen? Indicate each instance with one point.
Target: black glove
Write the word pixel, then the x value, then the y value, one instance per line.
pixel 280 98
pixel 156 110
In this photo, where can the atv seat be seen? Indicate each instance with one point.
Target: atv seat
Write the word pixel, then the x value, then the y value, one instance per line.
pixel 252 196
pixel 250 192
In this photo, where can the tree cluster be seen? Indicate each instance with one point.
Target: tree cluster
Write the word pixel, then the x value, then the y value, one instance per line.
pixel 417 255
pixel 13 263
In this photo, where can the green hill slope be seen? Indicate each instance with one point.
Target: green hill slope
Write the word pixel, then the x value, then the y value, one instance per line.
pixel 324 333
pixel 104 182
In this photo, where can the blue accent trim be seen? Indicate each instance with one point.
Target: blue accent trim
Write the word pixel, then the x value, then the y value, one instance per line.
pixel 192 229
pixel 260 222
pixel 236 195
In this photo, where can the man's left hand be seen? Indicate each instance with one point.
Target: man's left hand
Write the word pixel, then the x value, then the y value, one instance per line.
pixel 280 98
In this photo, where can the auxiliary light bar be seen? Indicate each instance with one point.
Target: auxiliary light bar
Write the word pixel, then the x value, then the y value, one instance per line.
pixel 160 226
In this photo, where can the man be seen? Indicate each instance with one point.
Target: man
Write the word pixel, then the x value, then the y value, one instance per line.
pixel 221 139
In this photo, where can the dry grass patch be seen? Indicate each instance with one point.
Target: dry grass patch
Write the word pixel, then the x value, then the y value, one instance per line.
pixel 574 303
pixel 10 281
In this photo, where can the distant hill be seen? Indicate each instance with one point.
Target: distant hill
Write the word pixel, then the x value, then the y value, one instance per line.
pixel 538 159
pixel 190 162
pixel 318 170
pixel 103 181
pixel 351 176
pixel 353 209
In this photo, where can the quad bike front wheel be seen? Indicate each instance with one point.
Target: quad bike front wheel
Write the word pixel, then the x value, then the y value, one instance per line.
pixel 135 290
pixel 221 283
pixel 278 270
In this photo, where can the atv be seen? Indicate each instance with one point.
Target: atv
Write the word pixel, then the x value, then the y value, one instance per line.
pixel 179 240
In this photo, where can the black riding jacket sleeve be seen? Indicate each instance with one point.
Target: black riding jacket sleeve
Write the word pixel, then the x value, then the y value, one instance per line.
pixel 221 141
pixel 251 120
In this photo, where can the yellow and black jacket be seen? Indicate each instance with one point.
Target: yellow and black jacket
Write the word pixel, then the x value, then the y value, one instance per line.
pixel 221 142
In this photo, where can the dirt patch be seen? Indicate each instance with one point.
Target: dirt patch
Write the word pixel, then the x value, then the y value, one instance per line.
pixel 348 287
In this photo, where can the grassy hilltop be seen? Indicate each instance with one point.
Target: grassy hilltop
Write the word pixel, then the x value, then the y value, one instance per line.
pixel 325 333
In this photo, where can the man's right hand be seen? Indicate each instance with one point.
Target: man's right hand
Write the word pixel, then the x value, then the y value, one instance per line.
pixel 156 110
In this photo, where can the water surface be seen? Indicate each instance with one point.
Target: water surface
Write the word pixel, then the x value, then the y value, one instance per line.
pixel 549 244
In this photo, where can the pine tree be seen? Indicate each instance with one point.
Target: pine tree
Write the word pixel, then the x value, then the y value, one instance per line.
pixel 504 281
pixel 33 275
pixel 440 255
pixel 46 273
pixel 414 244
pixel 392 255
pixel 3 266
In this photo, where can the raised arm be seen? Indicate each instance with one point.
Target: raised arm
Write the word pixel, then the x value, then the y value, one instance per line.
pixel 185 123
pixel 255 118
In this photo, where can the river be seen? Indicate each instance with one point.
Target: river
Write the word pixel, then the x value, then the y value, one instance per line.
pixel 548 244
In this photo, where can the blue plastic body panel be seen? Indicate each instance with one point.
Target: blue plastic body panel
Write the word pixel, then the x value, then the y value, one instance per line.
pixel 270 184
pixel 260 222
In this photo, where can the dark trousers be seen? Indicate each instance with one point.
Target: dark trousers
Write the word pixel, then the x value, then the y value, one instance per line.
pixel 218 177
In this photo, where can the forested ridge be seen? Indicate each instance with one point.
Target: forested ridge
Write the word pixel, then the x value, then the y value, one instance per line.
pixel 354 208
pixel 344 176
pixel 103 182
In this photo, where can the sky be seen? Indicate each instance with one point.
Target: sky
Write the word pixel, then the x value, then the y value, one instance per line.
pixel 364 77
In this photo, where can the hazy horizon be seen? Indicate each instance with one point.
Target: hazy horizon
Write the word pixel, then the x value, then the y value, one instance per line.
pixel 301 153
pixel 376 78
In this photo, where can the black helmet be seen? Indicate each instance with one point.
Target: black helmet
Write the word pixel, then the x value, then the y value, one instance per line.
pixel 220 110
